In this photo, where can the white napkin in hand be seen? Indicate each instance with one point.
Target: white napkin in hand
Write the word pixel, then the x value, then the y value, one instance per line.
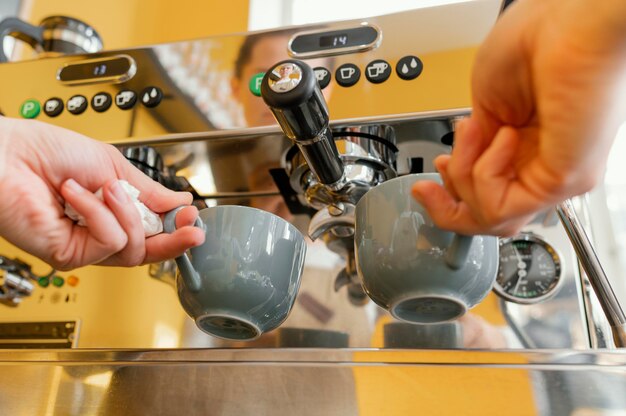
pixel 151 221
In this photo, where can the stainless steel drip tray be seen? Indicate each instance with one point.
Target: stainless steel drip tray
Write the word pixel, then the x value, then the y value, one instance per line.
pixel 354 356
pixel 312 381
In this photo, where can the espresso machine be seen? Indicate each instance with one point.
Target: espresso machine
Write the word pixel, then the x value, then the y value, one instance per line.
pixel 194 116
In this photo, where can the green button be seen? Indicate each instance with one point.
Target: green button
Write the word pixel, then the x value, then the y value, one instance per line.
pixel 30 109
pixel 43 281
pixel 255 83
pixel 58 281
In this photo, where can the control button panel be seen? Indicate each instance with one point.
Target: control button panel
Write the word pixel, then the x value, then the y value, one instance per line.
pixel 323 76
pixel 30 109
pixel 77 104
pixel 53 107
pixel 151 96
pixel 101 102
pixel 377 71
pixel 409 67
pixel 125 99
pixel 255 83
pixel 347 75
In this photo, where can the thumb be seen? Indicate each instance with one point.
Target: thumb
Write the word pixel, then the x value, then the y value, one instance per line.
pixel 445 211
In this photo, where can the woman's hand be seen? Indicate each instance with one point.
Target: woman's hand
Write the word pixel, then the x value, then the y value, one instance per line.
pixel 42 166
pixel 548 90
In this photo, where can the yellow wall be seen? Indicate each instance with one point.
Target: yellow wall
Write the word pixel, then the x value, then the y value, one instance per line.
pixel 124 23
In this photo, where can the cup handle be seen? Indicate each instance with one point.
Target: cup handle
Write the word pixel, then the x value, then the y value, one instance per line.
pixel 189 274
pixel 458 251
pixel 33 35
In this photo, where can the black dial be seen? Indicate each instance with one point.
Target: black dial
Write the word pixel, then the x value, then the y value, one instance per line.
pixel 529 271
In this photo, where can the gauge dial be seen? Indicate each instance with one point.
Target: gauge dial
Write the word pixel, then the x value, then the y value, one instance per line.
pixel 529 271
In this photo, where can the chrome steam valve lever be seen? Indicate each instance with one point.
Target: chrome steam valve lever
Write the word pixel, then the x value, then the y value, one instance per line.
pixel 291 91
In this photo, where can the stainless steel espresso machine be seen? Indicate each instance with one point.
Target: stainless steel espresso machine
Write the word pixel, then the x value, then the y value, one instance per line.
pixel 191 116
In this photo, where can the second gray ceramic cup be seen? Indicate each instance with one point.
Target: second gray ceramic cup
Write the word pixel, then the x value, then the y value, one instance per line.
pixel 244 279
pixel 409 266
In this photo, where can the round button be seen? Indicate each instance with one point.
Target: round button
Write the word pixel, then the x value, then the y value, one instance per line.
pixel 151 96
pixel 285 77
pixel 323 76
pixel 73 280
pixel 58 281
pixel 125 99
pixel 43 281
pixel 255 83
pixel 30 109
pixel 377 71
pixel 101 102
pixel 409 67
pixel 77 104
pixel 347 75
pixel 53 107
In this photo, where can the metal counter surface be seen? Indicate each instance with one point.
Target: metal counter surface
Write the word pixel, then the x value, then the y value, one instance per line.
pixel 312 381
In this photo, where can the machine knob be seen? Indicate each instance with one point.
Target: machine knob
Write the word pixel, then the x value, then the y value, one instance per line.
pixel 291 91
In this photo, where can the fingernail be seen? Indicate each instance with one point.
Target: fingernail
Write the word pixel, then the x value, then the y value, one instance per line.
pixel 73 186
pixel 119 193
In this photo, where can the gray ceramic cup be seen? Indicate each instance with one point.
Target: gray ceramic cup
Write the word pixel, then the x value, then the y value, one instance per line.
pixel 417 271
pixel 244 279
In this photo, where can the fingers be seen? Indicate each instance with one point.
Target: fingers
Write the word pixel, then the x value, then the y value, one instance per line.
pixel 167 246
pixel 469 144
pixel 102 236
pixel 154 195
pixel 140 250
pixel 186 216
pixel 443 208
pixel 497 202
pixel 441 164
pixel 129 219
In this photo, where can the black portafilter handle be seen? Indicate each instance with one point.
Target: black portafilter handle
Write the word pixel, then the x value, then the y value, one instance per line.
pixel 291 91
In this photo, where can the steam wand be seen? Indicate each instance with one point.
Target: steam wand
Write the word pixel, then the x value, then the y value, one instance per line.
pixel 589 260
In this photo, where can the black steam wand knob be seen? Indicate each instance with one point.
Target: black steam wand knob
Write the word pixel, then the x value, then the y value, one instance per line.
pixel 291 91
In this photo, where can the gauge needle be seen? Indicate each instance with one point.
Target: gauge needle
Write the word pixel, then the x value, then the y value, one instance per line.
pixel 521 271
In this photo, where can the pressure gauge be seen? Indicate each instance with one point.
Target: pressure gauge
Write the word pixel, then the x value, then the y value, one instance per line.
pixel 529 271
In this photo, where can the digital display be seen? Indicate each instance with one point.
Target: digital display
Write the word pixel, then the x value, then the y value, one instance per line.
pixel 93 70
pixel 334 41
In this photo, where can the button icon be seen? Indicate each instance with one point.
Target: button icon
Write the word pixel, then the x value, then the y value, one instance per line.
pixel 151 96
pixel 53 107
pixel 77 104
pixel 377 71
pixel 255 83
pixel 30 109
pixel 323 76
pixel 125 99
pixel 347 75
pixel 101 102
pixel 409 67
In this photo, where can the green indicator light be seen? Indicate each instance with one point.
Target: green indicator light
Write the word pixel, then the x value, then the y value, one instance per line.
pixel 30 109
pixel 58 281
pixel 255 83
pixel 43 281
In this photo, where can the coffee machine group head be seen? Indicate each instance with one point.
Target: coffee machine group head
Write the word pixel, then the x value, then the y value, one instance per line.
pixel 331 169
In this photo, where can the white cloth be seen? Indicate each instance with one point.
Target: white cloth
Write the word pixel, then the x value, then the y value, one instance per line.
pixel 151 221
